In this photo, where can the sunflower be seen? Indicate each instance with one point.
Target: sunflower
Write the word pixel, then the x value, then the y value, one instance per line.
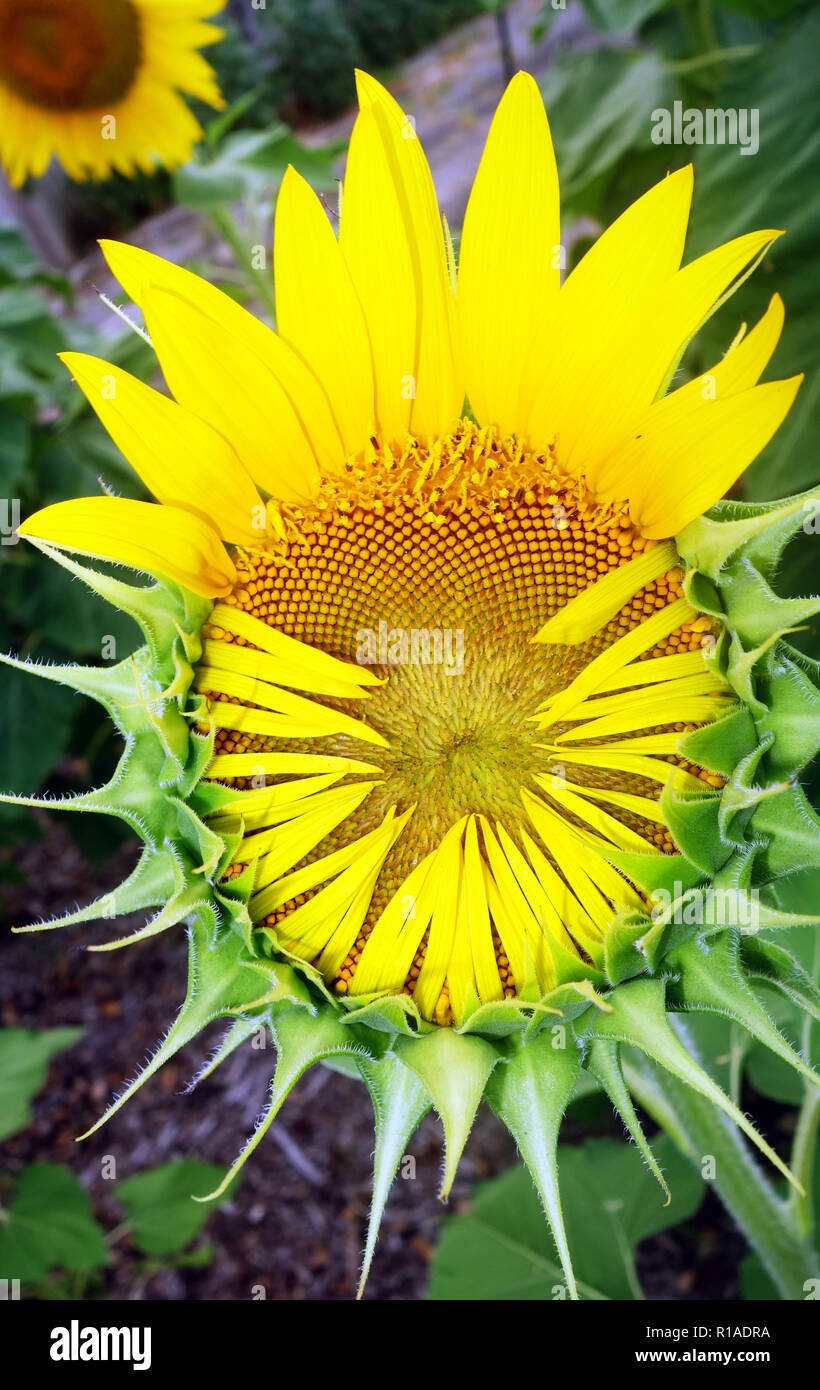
pixel 437 724
pixel 96 83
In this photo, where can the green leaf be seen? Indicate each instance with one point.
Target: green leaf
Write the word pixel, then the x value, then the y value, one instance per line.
pixel 502 1250
pixel 755 1283
pixel 764 9
pixel 247 163
pixel 49 1225
pixel 620 16
pixel 15 448
pixel 773 1077
pixel 24 1057
pixel 19 305
pixel 162 1216
pixel 18 263
pixel 599 106
pixel 41 716
pixel 774 188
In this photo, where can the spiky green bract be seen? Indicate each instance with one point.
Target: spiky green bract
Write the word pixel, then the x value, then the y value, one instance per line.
pixel 707 940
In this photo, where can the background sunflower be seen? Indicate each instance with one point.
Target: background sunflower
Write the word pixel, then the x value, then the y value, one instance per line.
pixel 96 84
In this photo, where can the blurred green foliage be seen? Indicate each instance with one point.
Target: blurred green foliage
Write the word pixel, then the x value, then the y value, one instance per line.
pixel 318 43
pixel 24 1057
pixel 317 50
pixel 51 449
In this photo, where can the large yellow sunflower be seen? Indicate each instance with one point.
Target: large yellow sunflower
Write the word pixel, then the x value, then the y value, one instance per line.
pixel 455 718
pixel 468 623
pixel 96 83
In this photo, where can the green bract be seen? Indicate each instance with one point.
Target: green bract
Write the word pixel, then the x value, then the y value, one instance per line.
pixel 710 940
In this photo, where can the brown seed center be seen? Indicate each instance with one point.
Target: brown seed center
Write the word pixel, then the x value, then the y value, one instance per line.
pixel 70 55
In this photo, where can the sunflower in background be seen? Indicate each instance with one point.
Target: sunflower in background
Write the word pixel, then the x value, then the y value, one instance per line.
pixel 459 871
pixel 97 83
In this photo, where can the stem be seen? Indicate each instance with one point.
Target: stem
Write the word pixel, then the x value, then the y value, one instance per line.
pixel 628 1257
pixel 42 234
pixel 805 1136
pixel 703 27
pixel 502 20
pixel 802 1163
pixel 258 281
pixel 720 55
pixel 698 21
pixel 247 21
pixel 736 1054
pixel 699 1130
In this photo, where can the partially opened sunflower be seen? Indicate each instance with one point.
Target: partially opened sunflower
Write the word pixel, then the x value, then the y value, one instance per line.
pixel 97 83
pixel 458 709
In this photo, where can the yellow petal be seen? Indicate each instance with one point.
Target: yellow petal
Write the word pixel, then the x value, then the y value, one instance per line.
pixel 281 765
pixel 285 845
pixel 446 877
pixel 392 239
pixel 159 540
pixel 391 945
pixel 285 889
pixel 565 841
pixel 592 609
pixel 705 454
pixel 273 670
pixel 509 261
pixel 618 654
pixel 252 808
pixel 514 874
pixel 507 917
pixel 367 870
pixel 739 370
pixel 643 806
pixel 180 458
pixel 693 709
pixel 137 270
pixel 219 377
pixel 705 682
pixel 273 697
pixel 627 264
pixel 476 916
pixel 631 367
pixel 747 358
pixel 289 650
pixel 639 765
pixel 565 898
pixel 318 310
